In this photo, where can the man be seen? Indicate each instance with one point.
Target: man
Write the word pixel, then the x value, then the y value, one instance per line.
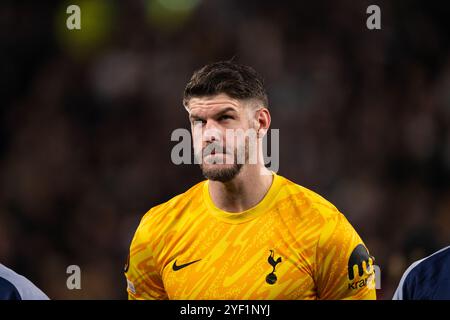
pixel 245 232
pixel 426 279
pixel 13 286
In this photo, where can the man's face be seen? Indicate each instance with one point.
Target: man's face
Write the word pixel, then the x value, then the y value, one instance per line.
pixel 214 123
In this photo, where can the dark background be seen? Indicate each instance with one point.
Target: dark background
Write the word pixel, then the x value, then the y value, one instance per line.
pixel 86 118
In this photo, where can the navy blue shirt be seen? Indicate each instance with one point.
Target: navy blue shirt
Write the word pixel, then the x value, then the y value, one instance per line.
pixel 13 286
pixel 8 291
pixel 427 279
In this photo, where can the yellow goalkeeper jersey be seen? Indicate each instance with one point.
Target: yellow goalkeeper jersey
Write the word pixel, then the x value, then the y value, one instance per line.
pixel 292 245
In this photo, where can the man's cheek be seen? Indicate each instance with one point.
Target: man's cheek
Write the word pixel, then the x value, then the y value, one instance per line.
pixel 197 143
pixel 196 134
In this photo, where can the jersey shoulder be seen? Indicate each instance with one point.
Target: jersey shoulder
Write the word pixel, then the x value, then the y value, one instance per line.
pixel 176 204
pixel 427 278
pixel 160 217
pixel 310 200
pixel 317 213
pixel 8 291
pixel 14 286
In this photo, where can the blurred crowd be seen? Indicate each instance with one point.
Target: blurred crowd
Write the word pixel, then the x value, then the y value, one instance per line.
pixel 86 118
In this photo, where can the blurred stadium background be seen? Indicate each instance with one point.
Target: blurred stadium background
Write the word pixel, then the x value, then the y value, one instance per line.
pixel 86 118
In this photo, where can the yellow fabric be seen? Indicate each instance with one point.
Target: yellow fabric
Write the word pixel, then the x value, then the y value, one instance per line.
pixel 292 245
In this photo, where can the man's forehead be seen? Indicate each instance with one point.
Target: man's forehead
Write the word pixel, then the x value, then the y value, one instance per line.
pixel 216 103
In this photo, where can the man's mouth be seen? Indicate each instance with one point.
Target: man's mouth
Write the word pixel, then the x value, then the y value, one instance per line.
pixel 215 157
pixel 214 153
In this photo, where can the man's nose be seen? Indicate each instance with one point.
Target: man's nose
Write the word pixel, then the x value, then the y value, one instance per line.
pixel 211 132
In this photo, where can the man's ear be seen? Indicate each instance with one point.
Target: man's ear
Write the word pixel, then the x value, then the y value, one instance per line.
pixel 263 118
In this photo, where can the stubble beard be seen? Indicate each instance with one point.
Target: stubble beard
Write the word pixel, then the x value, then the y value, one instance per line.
pixel 224 173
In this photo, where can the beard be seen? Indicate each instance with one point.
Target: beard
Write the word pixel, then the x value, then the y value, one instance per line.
pixel 224 172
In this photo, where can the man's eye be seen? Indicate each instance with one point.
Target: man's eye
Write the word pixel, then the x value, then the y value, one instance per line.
pixel 198 121
pixel 225 117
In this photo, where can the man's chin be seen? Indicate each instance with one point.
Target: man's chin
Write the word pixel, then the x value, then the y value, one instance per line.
pixel 220 172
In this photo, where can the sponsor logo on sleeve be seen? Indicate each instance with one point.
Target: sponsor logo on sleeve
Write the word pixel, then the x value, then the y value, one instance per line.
pixel 360 268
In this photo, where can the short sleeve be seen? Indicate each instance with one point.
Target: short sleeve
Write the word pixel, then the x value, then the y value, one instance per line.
pixel 144 281
pixel 344 266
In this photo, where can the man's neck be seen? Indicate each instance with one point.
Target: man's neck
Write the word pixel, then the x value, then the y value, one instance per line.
pixel 245 191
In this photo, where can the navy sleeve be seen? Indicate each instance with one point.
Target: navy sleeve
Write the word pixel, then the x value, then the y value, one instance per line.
pixel 8 291
pixel 426 279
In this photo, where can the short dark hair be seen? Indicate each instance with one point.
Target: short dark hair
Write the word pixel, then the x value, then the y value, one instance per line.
pixel 236 80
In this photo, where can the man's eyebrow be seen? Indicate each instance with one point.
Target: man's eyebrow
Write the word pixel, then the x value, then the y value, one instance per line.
pixel 225 110
pixel 194 116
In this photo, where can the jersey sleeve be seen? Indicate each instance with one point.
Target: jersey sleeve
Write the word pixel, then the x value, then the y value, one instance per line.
pixel 144 281
pixel 344 266
pixel 406 286
pixel 14 286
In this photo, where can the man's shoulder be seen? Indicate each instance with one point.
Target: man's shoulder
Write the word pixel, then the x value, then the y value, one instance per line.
pixel 434 265
pixel 310 198
pixel 14 286
pixel 440 258
pixel 173 206
pixel 424 277
pixel 8 291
